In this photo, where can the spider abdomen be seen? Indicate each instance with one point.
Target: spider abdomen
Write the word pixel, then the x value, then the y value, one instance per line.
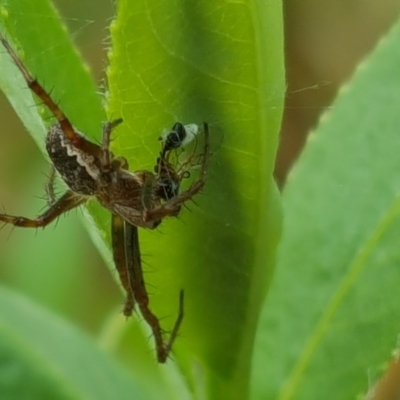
pixel 77 168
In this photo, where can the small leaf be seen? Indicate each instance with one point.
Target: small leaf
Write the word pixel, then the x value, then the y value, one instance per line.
pixel 333 315
pixel 42 357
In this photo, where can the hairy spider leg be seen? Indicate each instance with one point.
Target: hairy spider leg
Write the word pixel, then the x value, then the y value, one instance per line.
pixel 118 247
pixel 138 288
pixel 38 89
pixel 106 139
pixel 172 205
pixel 178 322
pixel 66 202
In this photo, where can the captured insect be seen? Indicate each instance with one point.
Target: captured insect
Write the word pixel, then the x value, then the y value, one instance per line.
pixel 179 136
pixel 135 199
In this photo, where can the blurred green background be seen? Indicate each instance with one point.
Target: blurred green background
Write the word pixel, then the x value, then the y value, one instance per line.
pixel 59 267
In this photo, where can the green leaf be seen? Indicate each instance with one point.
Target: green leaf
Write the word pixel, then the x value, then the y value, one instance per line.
pixel 47 270
pixel 219 62
pixel 42 357
pixel 332 318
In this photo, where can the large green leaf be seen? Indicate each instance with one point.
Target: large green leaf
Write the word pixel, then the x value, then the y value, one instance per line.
pixel 42 357
pixel 332 318
pixel 219 62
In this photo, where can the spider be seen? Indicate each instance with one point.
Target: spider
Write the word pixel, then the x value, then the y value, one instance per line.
pixel 135 199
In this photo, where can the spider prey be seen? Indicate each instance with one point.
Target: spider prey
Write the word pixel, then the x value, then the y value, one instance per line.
pixel 135 199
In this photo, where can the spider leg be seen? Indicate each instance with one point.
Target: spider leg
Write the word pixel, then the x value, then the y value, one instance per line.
pixel 141 297
pixel 105 145
pixel 66 202
pixel 118 248
pixel 172 206
pixel 38 89
pixel 177 325
pixel 138 287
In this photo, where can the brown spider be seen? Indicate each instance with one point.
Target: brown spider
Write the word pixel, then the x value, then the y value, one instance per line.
pixel 135 199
